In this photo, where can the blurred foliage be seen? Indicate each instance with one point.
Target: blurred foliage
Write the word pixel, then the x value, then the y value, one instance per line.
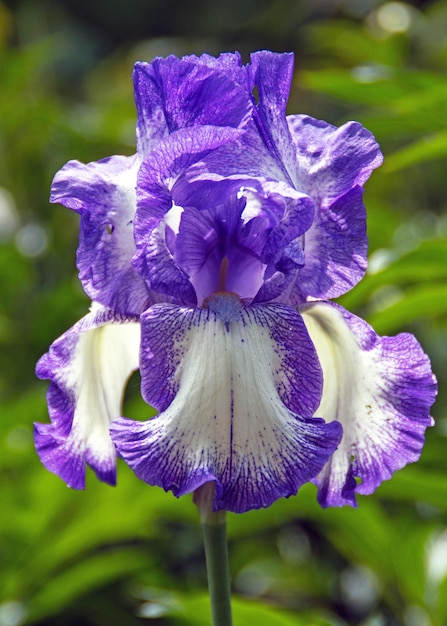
pixel 133 555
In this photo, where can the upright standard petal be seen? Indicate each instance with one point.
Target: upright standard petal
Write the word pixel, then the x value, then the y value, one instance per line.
pixel 195 94
pixel 380 389
pixel 168 162
pixel 271 75
pixel 103 193
pixel 177 93
pixel 234 386
pixel 332 160
pixel 88 368
pixel 332 166
pixel 158 178
pixel 336 249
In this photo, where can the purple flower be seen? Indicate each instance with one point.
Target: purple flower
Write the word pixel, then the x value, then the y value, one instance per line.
pixel 209 257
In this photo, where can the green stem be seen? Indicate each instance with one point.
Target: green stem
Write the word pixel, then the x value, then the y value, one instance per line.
pixel 216 554
pixel 214 532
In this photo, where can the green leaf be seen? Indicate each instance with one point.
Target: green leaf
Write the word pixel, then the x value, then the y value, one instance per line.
pixel 427 263
pixel 194 609
pixel 341 84
pixel 421 302
pixel 426 149
pixel 402 90
pixel 415 484
pixel 84 577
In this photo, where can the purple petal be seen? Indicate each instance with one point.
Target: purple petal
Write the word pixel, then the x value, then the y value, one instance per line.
pixel 164 166
pixel 257 239
pixel 332 160
pixel 151 120
pixel 228 62
pixel 229 247
pixel 271 74
pixel 103 193
pixel 88 368
pixel 380 389
pixel 162 272
pixel 213 248
pixel 156 194
pixel 171 159
pixel 266 148
pixel 200 248
pixel 336 248
pixel 177 93
pixel 296 215
pixel 247 155
pixel 232 384
pixel 333 164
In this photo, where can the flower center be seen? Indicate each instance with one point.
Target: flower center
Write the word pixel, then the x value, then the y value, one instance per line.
pixel 226 305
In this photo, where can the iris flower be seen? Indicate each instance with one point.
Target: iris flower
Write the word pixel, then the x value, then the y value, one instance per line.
pixel 210 257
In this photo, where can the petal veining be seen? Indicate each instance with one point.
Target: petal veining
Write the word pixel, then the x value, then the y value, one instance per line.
pixel 175 93
pixel 332 166
pixel 103 193
pixel 380 389
pixel 235 387
pixel 336 248
pixel 272 75
pixel 332 160
pixel 88 367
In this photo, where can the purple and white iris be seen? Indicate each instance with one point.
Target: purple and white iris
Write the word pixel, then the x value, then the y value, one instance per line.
pixel 209 257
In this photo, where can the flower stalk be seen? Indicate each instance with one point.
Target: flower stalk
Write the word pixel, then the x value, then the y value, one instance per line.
pixel 214 532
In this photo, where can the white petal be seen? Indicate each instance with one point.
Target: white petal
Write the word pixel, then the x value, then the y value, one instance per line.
pixel 88 368
pixel 234 392
pixel 104 360
pixel 380 389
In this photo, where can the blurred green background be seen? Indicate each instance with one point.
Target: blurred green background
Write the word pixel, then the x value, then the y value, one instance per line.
pixel 133 555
